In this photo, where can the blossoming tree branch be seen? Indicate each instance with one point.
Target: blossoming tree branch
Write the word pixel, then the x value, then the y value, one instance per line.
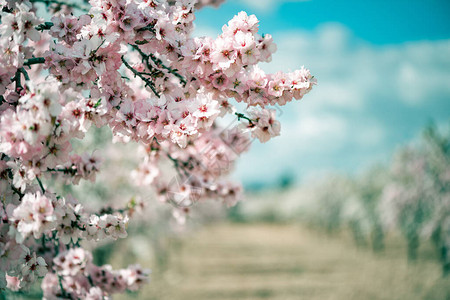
pixel 133 66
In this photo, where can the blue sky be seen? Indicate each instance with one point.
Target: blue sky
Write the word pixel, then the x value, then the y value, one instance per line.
pixel 384 73
pixel 379 22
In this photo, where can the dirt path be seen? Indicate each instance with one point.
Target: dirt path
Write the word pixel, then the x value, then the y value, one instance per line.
pixel 284 262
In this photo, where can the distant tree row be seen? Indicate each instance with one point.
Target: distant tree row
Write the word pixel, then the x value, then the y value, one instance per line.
pixel 411 195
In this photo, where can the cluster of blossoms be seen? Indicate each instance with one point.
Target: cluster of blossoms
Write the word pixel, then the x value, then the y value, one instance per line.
pixel 85 280
pixel 132 66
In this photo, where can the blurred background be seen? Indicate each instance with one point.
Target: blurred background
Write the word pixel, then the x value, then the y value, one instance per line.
pixel 352 201
pixel 383 71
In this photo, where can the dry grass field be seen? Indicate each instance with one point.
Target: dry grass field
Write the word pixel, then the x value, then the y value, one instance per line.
pixel 287 262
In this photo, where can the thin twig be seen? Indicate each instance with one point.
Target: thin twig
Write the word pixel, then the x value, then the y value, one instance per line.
pixel 64 170
pixel 17 78
pixel 138 74
pixel 63 291
pixel 24 72
pixel 144 56
pixel 18 81
pixel 34 61
pixel 15 190
pixel 40 184
pixel 158 63
pixel 148 27
pixel 44 26
pixel 242 116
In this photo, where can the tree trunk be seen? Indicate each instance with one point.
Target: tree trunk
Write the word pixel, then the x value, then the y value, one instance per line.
pixel 413 245
pixel 377 239
pixel 358 235
pixel 445 260
pixel 443 251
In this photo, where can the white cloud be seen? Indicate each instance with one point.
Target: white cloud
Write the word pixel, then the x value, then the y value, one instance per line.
pixel 348 68
pixel 423 71
pixel 267 5
pixel 360 109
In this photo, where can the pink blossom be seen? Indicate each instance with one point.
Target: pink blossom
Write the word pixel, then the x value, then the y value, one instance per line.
pixel 133 68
